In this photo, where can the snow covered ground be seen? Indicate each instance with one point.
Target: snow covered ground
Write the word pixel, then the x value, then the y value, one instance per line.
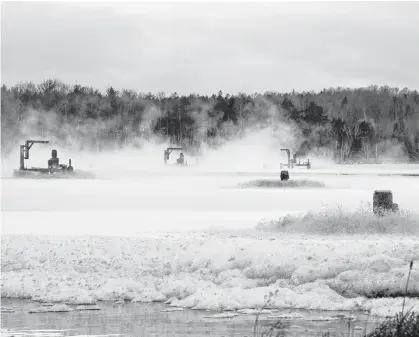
pixel 213 241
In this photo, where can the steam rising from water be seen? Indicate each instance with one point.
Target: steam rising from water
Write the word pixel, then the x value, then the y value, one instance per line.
pixel 254 151
pixel 239 147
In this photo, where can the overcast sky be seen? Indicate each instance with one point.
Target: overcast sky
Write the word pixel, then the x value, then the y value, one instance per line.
pixel 204 47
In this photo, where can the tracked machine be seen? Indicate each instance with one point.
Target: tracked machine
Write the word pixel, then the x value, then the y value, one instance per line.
pixel 293 161
pixel 54 169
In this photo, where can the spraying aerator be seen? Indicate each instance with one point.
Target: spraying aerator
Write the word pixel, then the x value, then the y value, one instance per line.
pixel 179 161
pixel 293 161
pixel 54 169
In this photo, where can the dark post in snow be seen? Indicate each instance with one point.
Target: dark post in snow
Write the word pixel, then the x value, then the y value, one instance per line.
pixel 383 202
pixel 285 175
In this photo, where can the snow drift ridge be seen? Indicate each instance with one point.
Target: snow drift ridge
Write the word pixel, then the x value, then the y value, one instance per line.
pixel 218 272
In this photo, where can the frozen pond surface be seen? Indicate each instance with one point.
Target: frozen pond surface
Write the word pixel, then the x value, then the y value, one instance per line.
pixel 133 201
pixel 189 237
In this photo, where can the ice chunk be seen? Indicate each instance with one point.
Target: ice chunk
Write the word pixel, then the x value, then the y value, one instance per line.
pixel 54 308
pixel 87 307
pixel 320 318
pixel 223 315
pixel 289 316
pixel 256 311
pixel 171 309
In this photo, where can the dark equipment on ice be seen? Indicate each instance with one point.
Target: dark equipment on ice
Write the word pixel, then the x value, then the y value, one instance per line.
pixel 54 166
pixel 383 202
pixel 285 175
pixel 293 161
pixel 54 161
pixel 180 160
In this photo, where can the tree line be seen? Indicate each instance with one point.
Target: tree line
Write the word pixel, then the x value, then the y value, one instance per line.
pixel 346 124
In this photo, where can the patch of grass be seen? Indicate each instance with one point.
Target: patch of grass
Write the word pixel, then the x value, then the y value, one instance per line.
pixel 332 220
pixel 276 183
pixel 402 325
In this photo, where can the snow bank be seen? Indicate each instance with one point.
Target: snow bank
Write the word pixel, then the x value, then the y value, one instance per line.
pixel 337 220
pixel 69 295
pixel 215 271
pixel 277 183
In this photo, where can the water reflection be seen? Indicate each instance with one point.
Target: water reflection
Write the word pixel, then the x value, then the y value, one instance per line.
pixel 139 319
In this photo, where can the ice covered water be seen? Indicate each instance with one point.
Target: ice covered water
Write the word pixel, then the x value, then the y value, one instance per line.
pixel 212 241
pixel 124 202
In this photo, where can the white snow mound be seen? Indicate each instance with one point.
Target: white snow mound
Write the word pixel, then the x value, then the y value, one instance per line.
pixel 215 271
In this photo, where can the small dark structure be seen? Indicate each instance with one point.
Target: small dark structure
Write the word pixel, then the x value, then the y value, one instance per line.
pixel 383 202
pixel 179 161
pixel 285 175
pixel 293 161
pixel 54 165
pixel 54 161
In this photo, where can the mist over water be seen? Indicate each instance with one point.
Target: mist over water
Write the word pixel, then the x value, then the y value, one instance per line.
pixel 250 145
pixel 218 234
pixel 223 233
pixel 255 151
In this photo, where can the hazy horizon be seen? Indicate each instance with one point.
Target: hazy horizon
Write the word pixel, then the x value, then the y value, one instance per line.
pixel 205 47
